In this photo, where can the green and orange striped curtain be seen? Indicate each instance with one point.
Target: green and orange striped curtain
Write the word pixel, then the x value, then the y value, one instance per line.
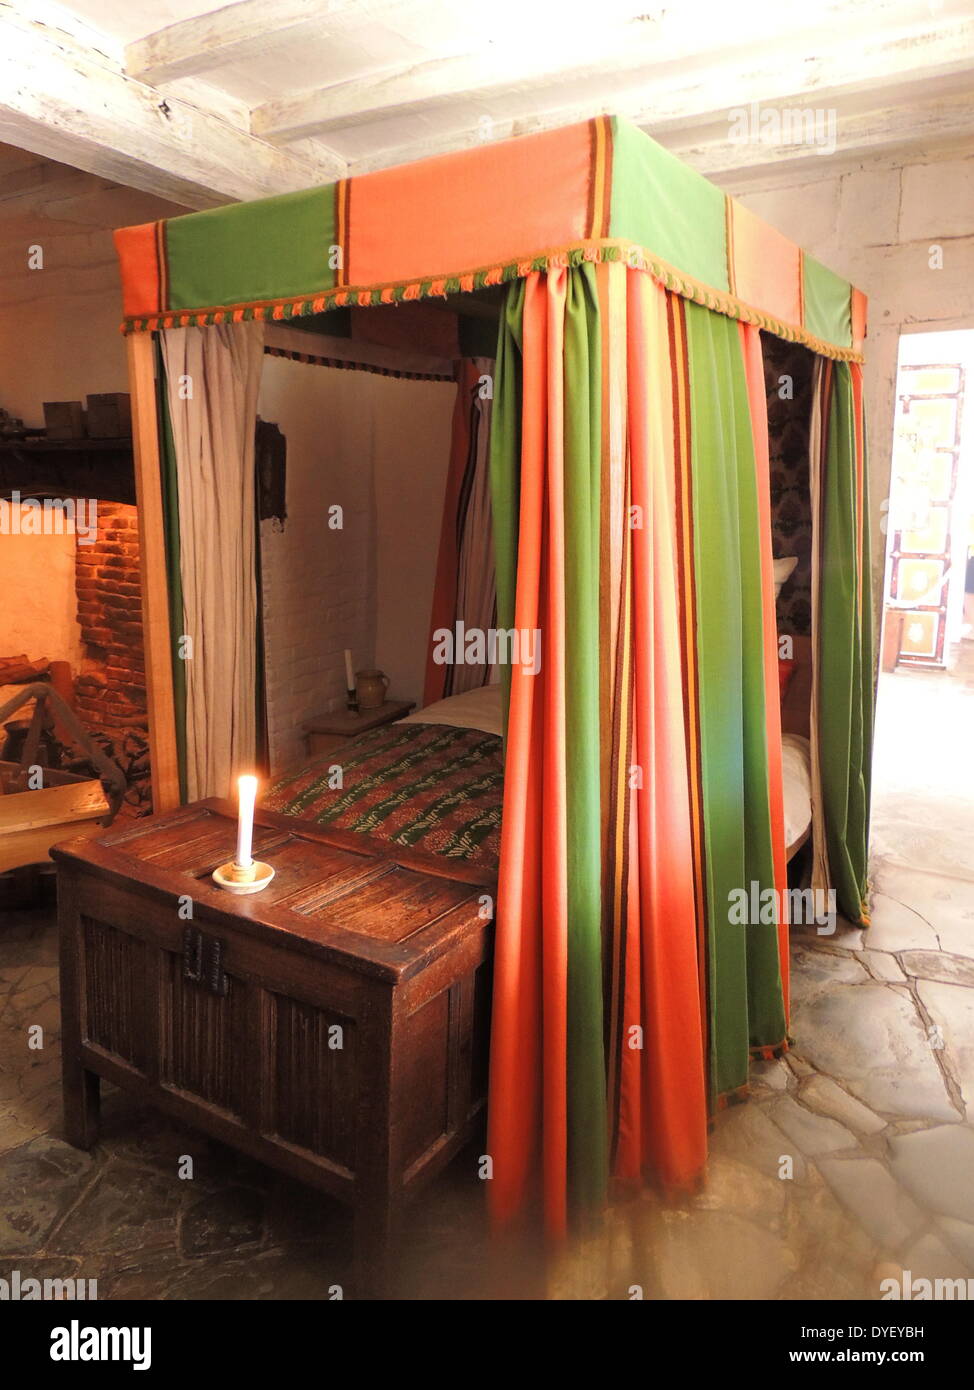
pixel 631 503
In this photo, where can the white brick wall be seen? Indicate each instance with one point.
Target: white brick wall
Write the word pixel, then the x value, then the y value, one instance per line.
pixel 322 587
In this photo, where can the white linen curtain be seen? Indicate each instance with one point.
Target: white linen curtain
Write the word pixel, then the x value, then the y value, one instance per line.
pixel 212 377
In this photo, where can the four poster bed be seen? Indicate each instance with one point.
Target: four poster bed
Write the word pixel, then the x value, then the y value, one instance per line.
pixel 630 498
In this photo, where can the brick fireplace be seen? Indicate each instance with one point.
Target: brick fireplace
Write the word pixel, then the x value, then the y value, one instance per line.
pixel 110 691
pixel 110 688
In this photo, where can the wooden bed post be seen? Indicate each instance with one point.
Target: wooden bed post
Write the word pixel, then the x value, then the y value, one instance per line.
pixel 152 563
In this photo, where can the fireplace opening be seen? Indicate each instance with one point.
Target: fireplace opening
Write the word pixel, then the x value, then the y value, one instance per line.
pixel 110 694
pixel 70 604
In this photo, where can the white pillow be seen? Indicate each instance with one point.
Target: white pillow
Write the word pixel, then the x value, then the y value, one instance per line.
pixel 474 709
pixel 783 571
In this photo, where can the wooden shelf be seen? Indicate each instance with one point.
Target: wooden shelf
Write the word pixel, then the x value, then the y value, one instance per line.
pixel 42 467
pixel 41 444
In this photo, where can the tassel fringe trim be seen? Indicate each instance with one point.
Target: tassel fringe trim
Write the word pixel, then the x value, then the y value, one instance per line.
pixel 593 252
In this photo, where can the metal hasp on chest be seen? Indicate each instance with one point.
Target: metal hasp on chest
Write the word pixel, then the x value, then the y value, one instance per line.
pixel 334 1025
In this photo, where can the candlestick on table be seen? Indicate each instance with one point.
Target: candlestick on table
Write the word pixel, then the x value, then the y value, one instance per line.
pixel 247 797
pixel 351 697
pixel 243 874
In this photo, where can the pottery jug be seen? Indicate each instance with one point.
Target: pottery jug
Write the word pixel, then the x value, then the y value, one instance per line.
pixel 370 687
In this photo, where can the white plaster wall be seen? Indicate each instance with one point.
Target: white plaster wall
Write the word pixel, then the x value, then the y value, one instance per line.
pixel 59 337
pixel 875 222
pixel 378 448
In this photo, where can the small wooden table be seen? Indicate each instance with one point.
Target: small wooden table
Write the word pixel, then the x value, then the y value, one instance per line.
pixel 328 731
pixel 334 1025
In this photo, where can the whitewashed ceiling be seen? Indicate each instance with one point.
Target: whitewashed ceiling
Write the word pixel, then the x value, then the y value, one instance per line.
pixel 203 105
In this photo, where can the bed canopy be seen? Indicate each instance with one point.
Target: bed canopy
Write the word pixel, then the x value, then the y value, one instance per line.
pixel 631 516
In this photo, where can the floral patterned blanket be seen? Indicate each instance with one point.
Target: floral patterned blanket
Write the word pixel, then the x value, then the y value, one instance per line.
pixel 431 786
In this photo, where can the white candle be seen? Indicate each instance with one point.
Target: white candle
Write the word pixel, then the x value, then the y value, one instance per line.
pixel 349 673
pixel 247 795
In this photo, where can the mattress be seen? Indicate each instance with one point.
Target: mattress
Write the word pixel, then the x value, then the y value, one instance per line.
pixel 435 781
pixel 435 786
pixel 796 771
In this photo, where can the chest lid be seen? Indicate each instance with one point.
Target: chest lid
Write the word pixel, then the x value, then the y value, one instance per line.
pixel 338 893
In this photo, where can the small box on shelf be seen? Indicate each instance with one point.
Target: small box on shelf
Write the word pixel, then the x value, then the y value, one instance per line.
pixel 110 415
pixel 64 419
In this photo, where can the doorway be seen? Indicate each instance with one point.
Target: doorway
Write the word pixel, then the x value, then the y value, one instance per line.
pixel 923 803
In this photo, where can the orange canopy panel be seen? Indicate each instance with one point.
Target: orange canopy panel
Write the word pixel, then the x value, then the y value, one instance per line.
pixel 601 190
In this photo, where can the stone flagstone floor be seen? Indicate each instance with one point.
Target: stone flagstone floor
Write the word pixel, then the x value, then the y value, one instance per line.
pixel 872 1113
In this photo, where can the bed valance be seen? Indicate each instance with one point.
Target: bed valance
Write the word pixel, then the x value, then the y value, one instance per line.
pixel 601 190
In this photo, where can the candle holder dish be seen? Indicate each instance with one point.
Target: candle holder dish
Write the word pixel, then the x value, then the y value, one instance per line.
pixel 236 879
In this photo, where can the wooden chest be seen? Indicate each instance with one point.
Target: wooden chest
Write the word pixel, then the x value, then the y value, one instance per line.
pixel 334 1025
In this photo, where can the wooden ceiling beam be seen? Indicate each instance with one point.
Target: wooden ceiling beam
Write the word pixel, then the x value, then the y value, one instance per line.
pixel 636 65
pixel 714 153
pixel 931 123
pixel 693 110
pixel 237 32
pixel 61 96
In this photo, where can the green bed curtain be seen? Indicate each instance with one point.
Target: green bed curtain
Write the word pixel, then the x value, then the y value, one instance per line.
pixel 845 641
pixel 587 1134
pixel 745 987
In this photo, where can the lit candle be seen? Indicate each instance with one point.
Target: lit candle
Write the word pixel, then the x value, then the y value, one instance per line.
pixel 349 673
pixel 247 795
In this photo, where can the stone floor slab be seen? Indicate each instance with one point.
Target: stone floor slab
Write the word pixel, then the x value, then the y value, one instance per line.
pixel 774 1075
pixel 959 1235
pixel 38 1183
pixel 816 971
pixel 951 1007
pixel 937 1167
pixel 897 927
pixel 945 903
pixel 866 1189
pixel 227 1219
pixel 721 1256
pixel 882 966
pixel 872 1037
pixel 929 1258
pixel 746 1133
pixel 939 965
pixel 739 1187
pixel 823 1094
pixel 128 1209
pixel 814 1134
